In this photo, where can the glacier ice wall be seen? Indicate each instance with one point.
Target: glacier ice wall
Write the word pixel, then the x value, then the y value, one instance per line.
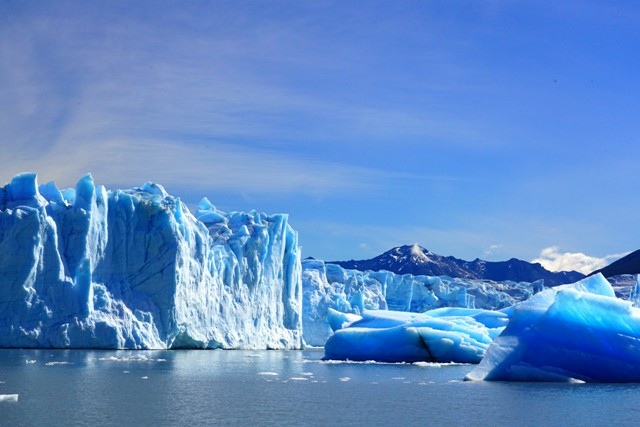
pixel 329 286
pixel 91 268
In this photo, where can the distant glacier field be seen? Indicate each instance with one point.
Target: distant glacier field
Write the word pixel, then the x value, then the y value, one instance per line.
pixel 282 388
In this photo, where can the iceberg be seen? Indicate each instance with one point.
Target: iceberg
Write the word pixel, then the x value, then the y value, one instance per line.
pixel 577 332
pixel 329 287
pixel 135 269
pixel 438 336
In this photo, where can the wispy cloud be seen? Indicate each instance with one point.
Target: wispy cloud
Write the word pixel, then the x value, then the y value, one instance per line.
pixel 213 165
pixel 135 101
pixel 493 249
pixel 553 259
pixel 211 73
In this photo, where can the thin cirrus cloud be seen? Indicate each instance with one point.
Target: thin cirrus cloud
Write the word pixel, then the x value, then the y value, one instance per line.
pixel 553 259
pixel 226 167
pixel 147 78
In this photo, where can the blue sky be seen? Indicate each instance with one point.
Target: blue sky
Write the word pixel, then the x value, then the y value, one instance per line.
pixel 490 129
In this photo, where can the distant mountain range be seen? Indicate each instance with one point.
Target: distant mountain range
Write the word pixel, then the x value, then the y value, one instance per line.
pixel 629 264
pixel 416 260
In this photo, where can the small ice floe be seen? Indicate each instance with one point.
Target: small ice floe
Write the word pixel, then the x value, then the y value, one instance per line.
pixel 344 379
pixel 134 358
pixel 437 364
pixel 30 361
pixel 8 397
pixel 56 363
pixel 145 378
pixel 269 374
pixel 307 374
pixel 254 355
pixel 357 362
pixel 298 379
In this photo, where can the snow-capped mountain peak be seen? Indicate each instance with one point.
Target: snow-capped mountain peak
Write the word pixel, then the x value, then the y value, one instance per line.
pixel 416 260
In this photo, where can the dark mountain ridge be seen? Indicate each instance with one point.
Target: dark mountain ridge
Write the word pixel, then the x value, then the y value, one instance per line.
pixel 416 260
pixel 629 264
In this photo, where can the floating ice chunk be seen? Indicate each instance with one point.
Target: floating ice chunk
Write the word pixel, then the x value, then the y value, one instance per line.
pixel 573 332
pixel 132 358
pixel 8 397
pixel 388 336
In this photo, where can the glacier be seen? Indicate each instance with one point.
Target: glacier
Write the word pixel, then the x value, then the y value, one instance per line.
pixel 135 269
pixel 88 267
pixel 329 287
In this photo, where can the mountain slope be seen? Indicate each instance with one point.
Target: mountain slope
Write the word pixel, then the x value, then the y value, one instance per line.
pixel 416 260
pixel 629 264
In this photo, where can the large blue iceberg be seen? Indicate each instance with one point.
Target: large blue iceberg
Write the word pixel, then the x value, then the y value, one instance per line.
pixel 91 268
pixel 578 332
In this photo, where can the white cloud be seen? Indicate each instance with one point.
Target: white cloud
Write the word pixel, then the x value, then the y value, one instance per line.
pixel 552 259
pixel 493 249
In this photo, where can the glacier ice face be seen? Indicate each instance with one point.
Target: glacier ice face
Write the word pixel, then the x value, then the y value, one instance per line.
pixel 93 268
pixel 572 332
pixel 329 286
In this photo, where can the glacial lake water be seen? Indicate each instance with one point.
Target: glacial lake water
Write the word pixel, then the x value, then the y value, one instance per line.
pixel 296 388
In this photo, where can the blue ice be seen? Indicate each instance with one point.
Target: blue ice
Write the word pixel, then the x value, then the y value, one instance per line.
pixel 578 332
pixel 91 268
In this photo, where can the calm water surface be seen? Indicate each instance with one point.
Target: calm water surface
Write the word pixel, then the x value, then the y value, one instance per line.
pixel 184 388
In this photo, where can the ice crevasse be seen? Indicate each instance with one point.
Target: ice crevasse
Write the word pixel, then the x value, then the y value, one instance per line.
pixel 91 268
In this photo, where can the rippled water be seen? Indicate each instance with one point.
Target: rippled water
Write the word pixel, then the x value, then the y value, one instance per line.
pixel 78 387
